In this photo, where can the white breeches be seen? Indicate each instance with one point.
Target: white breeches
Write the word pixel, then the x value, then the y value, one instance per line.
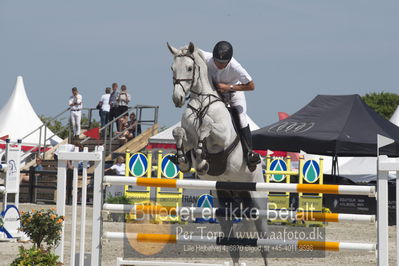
pixel 75 120
pixel 238 101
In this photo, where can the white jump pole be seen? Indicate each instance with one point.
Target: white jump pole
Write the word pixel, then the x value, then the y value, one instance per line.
pixel 241 186
pixel 175 239
pixel 382 202
pixel 74 209
pixel 97 206
pixel 63 157
pixel 199 212
pixel 121 262
pixel 83 212
pixel 61 197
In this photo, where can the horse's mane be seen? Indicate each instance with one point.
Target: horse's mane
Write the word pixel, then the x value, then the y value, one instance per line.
pixel 201 55
pixel 184 51
pixel 204 67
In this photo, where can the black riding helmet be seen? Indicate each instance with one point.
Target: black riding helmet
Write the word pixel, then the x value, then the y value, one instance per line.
pixel 223 52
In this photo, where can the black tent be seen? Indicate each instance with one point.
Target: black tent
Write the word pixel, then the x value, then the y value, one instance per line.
pixel 330 125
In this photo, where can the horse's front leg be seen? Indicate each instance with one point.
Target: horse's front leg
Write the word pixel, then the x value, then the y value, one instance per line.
pixel 182 160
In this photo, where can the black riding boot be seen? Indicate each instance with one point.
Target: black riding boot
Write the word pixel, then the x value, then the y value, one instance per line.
pixel 252 158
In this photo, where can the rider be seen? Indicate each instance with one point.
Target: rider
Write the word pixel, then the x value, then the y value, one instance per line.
pixel 230 79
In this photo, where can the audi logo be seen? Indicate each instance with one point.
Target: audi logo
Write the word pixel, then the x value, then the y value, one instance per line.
pixel 291 127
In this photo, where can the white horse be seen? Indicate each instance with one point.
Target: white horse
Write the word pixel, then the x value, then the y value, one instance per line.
pixel 207 139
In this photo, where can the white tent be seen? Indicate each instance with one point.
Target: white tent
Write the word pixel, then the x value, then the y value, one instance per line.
pixel 166 137
pixel 18 119
pixel 357 169
pixel 395 117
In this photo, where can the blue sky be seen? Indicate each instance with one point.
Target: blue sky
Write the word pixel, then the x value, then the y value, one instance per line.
pixel 294 49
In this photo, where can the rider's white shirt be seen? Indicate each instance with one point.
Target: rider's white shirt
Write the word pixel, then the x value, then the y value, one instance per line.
pixel 232 74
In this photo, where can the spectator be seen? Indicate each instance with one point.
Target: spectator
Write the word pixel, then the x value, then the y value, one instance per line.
pixel 118 167
pixel 125 134
pixel 105 107
pixel 113 111
pixel 123 100
pixel 24 178
pixel 76 104
pixel 39 166
pixel 134 127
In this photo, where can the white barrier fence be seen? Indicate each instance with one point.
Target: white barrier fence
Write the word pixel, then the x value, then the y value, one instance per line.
pixel 384 165
pixel 9 212
pixel 212 213
pixel 12 170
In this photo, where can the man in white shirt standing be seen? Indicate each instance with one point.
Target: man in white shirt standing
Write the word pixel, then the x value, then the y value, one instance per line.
pixel 76 104
pixel 230 79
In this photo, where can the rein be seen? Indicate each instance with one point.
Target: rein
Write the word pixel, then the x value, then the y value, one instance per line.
pixel 178 81
pixel 202 110
pixel 217 161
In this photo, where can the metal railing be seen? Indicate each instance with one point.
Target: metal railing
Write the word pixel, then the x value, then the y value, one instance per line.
pixel 42 145
pixel 108 134
pixel 43 127
pixel 107 131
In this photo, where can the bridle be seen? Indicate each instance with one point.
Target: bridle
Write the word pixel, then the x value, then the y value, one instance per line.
pixel 203 109
pixel 200 112
pixel 178 81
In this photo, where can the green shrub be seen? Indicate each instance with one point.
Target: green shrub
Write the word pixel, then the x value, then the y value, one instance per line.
pixel 42 226
pixel 117 200
pixel 35 256
pixel 117 217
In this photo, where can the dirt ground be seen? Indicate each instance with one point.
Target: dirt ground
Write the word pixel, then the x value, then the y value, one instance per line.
pixel 345 232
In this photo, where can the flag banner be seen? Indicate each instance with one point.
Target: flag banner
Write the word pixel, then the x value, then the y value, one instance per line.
pixel 93 133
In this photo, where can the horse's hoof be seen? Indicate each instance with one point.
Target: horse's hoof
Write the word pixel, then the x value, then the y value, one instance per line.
pixel 184 169
pixel 181 159
pixel 251 167
pixel 203 168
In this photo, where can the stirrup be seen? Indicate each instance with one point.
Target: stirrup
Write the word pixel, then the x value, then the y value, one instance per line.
pixel 253 161
pixel 253 157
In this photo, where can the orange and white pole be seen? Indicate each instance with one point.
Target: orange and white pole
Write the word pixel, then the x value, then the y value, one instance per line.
pixel 241 186
pixel 298 244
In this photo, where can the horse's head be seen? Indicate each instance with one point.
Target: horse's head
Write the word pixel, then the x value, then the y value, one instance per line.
pixel 185 72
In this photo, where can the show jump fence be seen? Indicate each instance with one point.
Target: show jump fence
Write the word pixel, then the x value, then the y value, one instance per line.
pixel 385 165
pixel 9 212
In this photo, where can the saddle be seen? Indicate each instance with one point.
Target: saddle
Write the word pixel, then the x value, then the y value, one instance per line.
pixel 218 161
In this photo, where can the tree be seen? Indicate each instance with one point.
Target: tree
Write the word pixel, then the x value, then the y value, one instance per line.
pixel 384 103
pixel 55 126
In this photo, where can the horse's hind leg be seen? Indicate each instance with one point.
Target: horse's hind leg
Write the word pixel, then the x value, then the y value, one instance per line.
pixel 261 223
pixel 247 200
pixel 251 200
pixel 202 166
pixel 226 224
